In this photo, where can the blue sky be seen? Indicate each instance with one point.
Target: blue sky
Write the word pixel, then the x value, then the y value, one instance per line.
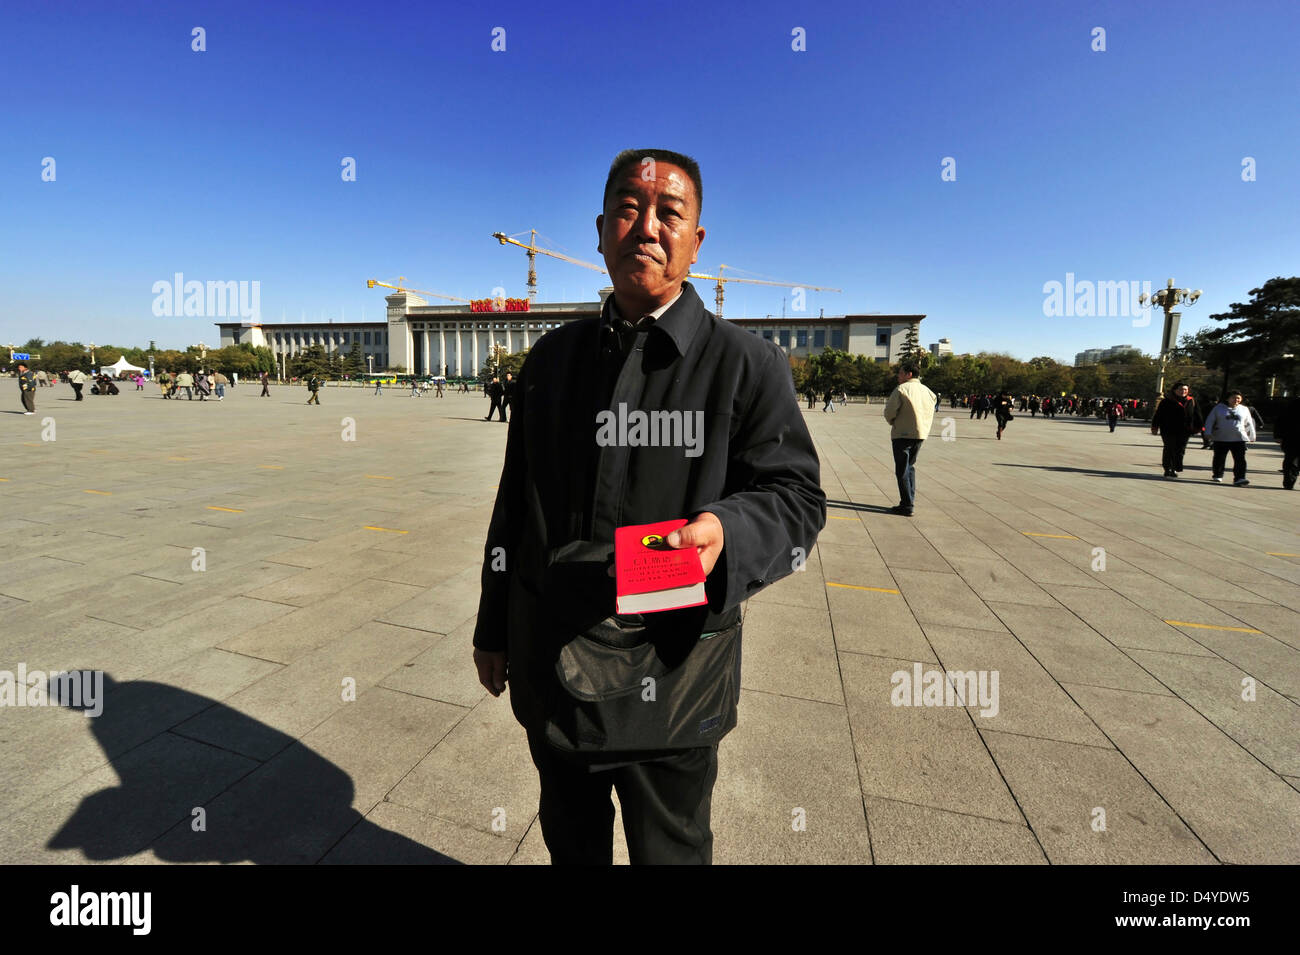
pixel 821 166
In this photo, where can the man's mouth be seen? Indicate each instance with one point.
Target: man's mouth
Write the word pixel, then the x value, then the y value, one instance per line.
pixel 642 257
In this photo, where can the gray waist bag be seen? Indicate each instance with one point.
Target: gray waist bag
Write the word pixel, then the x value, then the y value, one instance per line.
pixel 624 684
pixel 615 692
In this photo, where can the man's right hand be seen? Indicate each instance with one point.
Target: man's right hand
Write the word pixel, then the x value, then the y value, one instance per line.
pixel 491 665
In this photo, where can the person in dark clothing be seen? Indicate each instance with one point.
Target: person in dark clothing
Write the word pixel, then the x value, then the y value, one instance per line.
pixel 1176 419
pixel 1002 411
pixel 266 386
pixel 1114 411
pixel 741 469
pixel 1286 432
pixel 27 388
pixel 313 385
pixel 495 393
pixel 507 394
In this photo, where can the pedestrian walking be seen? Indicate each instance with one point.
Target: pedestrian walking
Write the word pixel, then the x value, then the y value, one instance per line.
pixel 185 380
pixel 507 394
pixel 1114 411
pixel 829 403
pixel 219 385
pixel 77 379
pixel 1176 419
pixel 910 413
pixel 266 386
pixel 313 385
pixel 577 672
pixel 495 393
pixel 1286 432
pixel 27 388
pixel 1232 428
pixel 1002 411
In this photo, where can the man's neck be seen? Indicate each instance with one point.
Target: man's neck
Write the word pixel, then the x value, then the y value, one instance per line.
pixel 633 310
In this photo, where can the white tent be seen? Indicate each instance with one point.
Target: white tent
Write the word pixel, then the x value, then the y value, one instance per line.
pixel 120 366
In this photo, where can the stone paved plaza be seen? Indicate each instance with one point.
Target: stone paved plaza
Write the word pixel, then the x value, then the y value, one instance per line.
pixel 1127 618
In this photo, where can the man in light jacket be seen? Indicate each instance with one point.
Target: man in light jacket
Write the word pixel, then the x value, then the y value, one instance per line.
pixel 910 412
pixel 77 378
pixel 1231 427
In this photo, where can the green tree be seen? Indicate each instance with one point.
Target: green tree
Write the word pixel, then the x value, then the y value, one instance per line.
pixel 312 360
pixel 1261 339
pixel 354 363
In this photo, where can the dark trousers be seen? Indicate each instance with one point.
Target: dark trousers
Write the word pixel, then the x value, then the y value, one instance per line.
pixel 665 804
pixel 1220 452
pixel 1290 462
pixel 494 407
pixel 1172 457
pixel 266 390
pixel 1112 421
pixel 905 454
pixel 315 397
pixel 29 401
pixel 77 388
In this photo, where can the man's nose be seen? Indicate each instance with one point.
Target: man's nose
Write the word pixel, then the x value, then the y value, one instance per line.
pixel 647 225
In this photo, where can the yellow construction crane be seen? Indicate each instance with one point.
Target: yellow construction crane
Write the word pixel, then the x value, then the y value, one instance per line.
pixel 533 248
pixel 720 279
pixel 371 283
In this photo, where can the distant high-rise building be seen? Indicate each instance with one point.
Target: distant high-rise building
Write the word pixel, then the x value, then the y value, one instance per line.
pixel 942 347
pixel 1092 356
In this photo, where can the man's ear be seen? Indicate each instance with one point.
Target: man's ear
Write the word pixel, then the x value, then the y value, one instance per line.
pixel 699 241
pixel 600 231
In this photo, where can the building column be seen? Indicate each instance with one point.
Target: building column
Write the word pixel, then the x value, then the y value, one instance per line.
pixel 473 339
pixel 458 350
pixel 508 348
pixel 424 344
pixel 442 348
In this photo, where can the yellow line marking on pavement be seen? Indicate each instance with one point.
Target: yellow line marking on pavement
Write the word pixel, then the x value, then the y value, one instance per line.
pixel 381 477
pixel 4 479
pixel 389 529
pixel 178 459
pixel 1064 537
pixel 98 451
pixel 840 517
pixel 1278 553
pixel 31 444
pixel 1210 626
pixel 98 492
pixel 272 467
pixel 879 590
pixel 230 510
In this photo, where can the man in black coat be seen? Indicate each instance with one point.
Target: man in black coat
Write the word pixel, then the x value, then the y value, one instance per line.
pixel 1176 419
pixel 1286 431
pixel 496 393
pixel 639 702
pixel 507 393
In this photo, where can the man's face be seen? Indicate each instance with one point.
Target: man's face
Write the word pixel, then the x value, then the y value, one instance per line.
pixel 1234 400
pixel 903 376
pixel 1181 392
pixel 650 233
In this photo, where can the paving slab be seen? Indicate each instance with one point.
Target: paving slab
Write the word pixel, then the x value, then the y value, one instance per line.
pixel 1243 811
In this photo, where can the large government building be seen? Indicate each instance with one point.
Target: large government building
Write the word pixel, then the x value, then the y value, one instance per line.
pixel 423 339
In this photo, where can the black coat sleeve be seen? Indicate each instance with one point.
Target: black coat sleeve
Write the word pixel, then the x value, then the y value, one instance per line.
pixel 779 507
pixel 508 517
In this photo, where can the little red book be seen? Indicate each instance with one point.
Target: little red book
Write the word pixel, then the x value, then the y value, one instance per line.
pixel 651 576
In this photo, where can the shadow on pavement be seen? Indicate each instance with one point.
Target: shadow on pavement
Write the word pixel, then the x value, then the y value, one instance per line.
pixel 294 807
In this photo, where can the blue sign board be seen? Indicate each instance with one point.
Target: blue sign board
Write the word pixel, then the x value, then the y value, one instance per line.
pixel 21 356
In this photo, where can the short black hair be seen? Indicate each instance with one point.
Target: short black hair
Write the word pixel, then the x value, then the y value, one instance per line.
pixel 911 367
pixel 631 157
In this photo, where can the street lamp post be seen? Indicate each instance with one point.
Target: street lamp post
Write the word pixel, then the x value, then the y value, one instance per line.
pixel 1168 298
pixel 92 356
pixel 370 362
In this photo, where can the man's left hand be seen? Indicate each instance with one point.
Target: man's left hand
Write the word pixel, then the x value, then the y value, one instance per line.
pixel 704 534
